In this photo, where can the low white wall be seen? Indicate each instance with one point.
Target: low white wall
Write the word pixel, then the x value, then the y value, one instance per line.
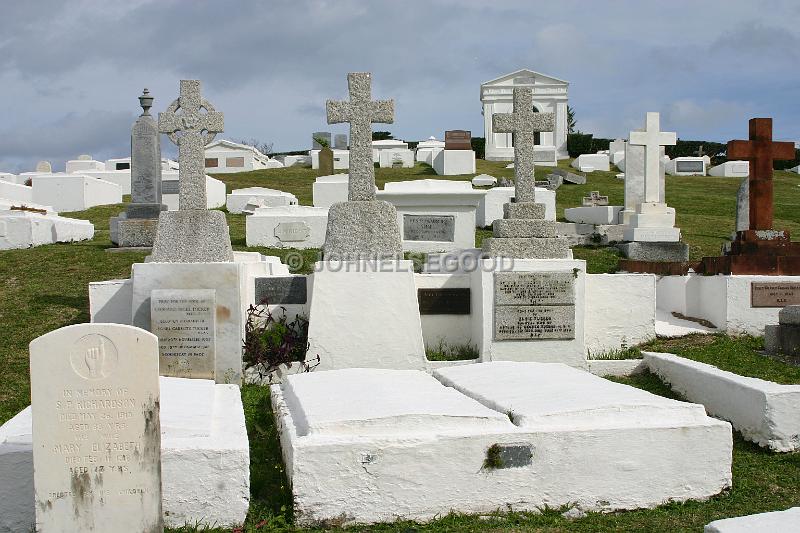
pixel 450 329
pixel 16 192
pixel 620 311
pixel 110 301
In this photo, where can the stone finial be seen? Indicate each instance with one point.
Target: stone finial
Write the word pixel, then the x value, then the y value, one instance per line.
pixel 146 101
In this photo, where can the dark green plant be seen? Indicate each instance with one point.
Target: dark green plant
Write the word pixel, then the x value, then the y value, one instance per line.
pixel 322 141
pixel 493 459
pixel 271 342
pixel 571 123
pixel 579 143
pixel 381 135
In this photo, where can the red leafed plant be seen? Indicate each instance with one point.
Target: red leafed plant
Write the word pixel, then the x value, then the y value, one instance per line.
pixel 271 342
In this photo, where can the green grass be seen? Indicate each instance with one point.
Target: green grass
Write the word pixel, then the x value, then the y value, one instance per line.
pixel 45 288
pixel 444 351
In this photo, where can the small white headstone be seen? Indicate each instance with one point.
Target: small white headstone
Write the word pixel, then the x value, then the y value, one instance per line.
pixel 44 166
pixel 84 157
pixel 96 429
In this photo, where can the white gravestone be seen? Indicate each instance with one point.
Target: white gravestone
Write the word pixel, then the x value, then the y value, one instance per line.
pixel 184 322
pixel 96 429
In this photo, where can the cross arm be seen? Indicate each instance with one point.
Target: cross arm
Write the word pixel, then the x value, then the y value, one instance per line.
pixel 543 121
pixel 213 122
pixel 503 123
pixel 168 122
pixel 382 111
pixel 338 111
pixel 783 151
pixel 740 150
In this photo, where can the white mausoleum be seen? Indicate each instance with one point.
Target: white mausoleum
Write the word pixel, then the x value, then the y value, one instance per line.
pixel 549 96
pixel 226 156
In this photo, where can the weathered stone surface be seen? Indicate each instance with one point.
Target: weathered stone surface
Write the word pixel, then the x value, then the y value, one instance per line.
pixel 655 251
pixel 144 210
pixel 362 230
pixel 438 228
pixel 516 322
pixel 96 429
pixel 524 122
pixel 281 290
pixel 554 181
pixel 743 206
pixel 528 248
pixel 325 161
pixel 525 210
pixel 184 322
pixel 194 236
pixel 523 228
pixel 789 315
pixel 145 156
pixel 361 111
pixel 534 288
pixel 569 177
pixel 137 232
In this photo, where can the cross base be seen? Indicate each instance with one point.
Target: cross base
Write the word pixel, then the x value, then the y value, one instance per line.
pixel 192 236
pixel 757 252
pixel 362 230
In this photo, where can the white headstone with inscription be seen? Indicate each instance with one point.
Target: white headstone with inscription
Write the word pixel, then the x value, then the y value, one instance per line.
pixel 184 322
pixel 96 429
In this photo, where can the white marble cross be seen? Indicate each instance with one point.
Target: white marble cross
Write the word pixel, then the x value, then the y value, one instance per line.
pixel 652 139
pixel 524 122
pixel 361 112
pixel 191 130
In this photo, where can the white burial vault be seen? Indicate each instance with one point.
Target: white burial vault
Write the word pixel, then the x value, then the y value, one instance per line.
pixel 261 196
pixel 26 229
pixel 402 444
pixel 294 226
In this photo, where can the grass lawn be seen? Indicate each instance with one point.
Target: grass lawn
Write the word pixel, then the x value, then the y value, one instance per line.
pixel 46 288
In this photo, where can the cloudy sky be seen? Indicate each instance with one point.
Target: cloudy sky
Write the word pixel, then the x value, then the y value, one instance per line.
pixel 71 72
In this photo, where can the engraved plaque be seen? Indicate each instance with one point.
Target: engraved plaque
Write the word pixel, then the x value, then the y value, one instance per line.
pixel 96 429
pixel 778 294
pixel 444 301
pixel 145 162
pixel 184 322
pixel 281 290
pixel 170 187
pixel 689 166
pixel 515 455
pixel 517 322
pixel 292 231
pixel 438 228
pixel 534 288
pixel 458 140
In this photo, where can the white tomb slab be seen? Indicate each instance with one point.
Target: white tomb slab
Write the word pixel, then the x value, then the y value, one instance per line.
pixel 121 177
pixel 591 162
pixel 296 226
pixel 396 443
pixel 427 150
pixel 215 191
pixel 774 522
pixel 763 411
pixel 386 144
pixel 341 159
pixel 731 169
pixel 73 192
pixel 329 190
pixel 8 176
pixel 14 192
pixel 598 214
pixel 84 163
pixel 203 436
pixel 239 198
pixel 400 157
pixel 27 229
pixel 484 180
pixel 491 207
pixel 434 215
pixel 686 166
pixel 299 160
pixel 454 162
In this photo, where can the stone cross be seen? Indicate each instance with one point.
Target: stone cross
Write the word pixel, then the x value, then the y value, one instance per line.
pixel 760 151
pixel 524 122
pixel 191 130
pixel 652 139
pixel 700 152
pixel 361 112
pixel 594 199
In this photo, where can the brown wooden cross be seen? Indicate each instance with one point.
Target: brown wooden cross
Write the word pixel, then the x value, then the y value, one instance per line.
pixel 760 151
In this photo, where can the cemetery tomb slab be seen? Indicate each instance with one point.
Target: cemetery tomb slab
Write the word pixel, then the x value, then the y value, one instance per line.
pixel 97 436
pixel 429 228
pixel 601 214
pixel 774 521
pixel 294 226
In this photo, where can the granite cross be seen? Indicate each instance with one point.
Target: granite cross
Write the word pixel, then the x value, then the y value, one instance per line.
pixel 700 152
pixel 361 112
pixel 760 151
pixel 191 130
pixel 524 122
pixel 652 139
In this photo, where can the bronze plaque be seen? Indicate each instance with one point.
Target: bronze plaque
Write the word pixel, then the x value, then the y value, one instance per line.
pixel 212 162
pixel 237 162
pixel 458 140
pixel 774 294
pixel 444 301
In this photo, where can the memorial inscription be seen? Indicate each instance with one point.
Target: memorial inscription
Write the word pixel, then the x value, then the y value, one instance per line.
pixel 292 231
pixel 534 288
pixel 281 290
pixel 534 305
pixel 689 166
pixel 170 187
pixel 444 301
pixel 774 294
pixel 184 322
pixel 438 228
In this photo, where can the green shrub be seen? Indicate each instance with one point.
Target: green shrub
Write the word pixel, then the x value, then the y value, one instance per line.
pixel 579 143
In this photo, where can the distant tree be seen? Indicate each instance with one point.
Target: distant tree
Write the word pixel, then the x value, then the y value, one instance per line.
pixel 570 119
pixel 263 147
pixel 322 141
pixel 381 135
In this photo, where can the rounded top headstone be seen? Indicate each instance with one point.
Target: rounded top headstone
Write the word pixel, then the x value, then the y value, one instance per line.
pixel 84 157
pixel 146 101
pixel 44 166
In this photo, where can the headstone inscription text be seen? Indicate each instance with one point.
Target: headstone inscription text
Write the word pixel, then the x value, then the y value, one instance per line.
pixel 96 429
pixel 170 187
pixel 689 166
pixel 774 294
pixel 439 228
pixel 444 301
pixel 281 290
pixel 184 322
pixel 534 305
pixel 292 231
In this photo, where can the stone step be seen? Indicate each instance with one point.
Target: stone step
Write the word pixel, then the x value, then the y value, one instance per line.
pixel 528 248
pixel 520 227
pixel 526 210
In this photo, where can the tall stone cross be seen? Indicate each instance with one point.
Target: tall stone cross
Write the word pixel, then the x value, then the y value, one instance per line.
pixel 760 151
pixel 652 139
pixel 191 129
pixel 361 112
pixel 524 122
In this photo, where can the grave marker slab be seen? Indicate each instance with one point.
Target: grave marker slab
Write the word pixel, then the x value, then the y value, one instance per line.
pixel 774 294
pixel 282 290
pixel 534 305
pixel 444 301
pixel 96 429
pixel 292 231
pixel 441 228
pixel 184 322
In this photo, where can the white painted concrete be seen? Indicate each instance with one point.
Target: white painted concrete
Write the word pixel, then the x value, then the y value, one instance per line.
pixel 764 412
pixel 600 214
pixel 341 159
pixel 121 177
pixel 203 437
pixel 400 157
pixel 81 164
pixel 215 191
pixel 265 227
pixel 19 194
pixel 731 169
pixel 238 198
pixel 669 326
pixel 777 521
pixel 223 156
pixel 484 180
pixel 491 207
pixel 74 192
pixel 620 311
pixel 396 443
pixel 591 162
pixel 616 367
pixel 449 329
pixel 110 301
pixel 329 190
pixel 27 229
pixel 454 162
